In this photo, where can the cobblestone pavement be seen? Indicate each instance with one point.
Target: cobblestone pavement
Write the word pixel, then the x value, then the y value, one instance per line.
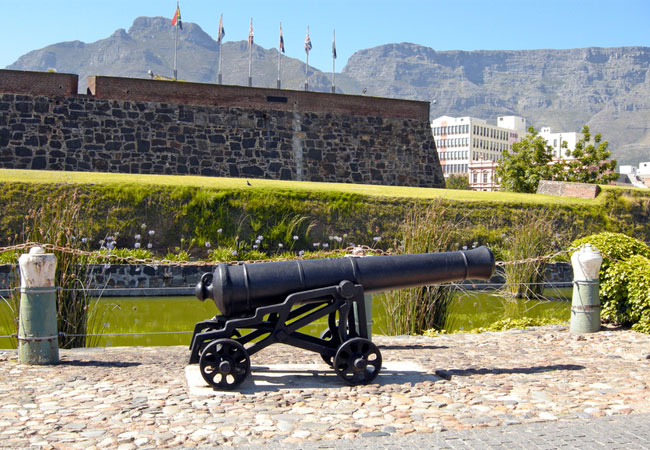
pixel 536 379
pixel 627 432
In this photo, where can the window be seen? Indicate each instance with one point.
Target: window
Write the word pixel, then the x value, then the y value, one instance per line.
pixel 485 177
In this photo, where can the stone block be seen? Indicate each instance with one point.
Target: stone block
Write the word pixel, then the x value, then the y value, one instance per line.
pixel 566 189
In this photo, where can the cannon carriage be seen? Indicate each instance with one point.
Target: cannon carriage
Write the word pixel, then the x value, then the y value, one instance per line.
pixel 266 303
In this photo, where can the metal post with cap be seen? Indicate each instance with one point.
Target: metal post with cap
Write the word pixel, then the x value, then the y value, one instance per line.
pixel 38 340
pixel 585 304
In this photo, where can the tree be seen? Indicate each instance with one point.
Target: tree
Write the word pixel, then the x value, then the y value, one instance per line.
pixel 457 182
pixel 531 160
pixel 525 164
pixel 589 163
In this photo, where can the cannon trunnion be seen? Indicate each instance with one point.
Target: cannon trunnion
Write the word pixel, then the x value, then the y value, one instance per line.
pixel 267 303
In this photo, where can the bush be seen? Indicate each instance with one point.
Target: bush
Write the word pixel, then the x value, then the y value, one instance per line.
pixel 624 279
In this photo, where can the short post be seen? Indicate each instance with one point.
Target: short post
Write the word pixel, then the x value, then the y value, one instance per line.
pixel 38 340
pixel 585 305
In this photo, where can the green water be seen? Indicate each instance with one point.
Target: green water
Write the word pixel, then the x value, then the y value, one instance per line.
pixel 471 309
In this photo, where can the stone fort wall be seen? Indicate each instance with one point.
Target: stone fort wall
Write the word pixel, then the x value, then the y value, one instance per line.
pixel 160 127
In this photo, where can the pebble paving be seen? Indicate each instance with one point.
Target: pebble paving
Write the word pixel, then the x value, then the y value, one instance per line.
pixel 137 397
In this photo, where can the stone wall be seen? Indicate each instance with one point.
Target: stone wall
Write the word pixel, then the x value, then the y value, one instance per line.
pixel 38 83
pixel 566 189
pixel 310 137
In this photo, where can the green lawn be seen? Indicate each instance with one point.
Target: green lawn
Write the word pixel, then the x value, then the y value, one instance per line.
pixel 53 177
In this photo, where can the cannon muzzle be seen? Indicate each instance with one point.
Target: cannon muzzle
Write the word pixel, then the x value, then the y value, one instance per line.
pixel 240 289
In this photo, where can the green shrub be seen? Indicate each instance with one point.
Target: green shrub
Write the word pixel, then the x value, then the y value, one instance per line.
pixel 624 279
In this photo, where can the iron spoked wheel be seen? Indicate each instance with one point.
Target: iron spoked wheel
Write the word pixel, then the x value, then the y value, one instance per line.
pixel 224 364
pixel 357 361
pixel 235 334
pixel 327 336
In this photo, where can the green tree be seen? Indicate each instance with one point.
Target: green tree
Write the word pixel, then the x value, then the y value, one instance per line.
pixel 525 164
pixel 590 162
pixel 457 182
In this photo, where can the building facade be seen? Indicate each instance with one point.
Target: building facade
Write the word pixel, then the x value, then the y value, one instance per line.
pixel 555 140
pixel 471 147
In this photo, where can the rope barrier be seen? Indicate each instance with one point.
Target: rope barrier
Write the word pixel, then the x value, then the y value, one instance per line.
pixel 358 250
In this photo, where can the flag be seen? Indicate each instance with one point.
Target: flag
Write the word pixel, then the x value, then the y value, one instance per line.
pixel 177 18
pixel 250 35
pixel 307 42
pixel 222 32
pixel 281 40
pixel 333 47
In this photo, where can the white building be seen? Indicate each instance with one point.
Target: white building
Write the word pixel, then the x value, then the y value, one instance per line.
pixel 555 140
pixel 471 147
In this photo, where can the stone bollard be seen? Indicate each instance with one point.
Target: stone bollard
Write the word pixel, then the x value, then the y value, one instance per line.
pixel 38 340
pixel 585 305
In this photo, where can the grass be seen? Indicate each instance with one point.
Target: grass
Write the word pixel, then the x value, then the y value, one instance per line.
pixel 58 177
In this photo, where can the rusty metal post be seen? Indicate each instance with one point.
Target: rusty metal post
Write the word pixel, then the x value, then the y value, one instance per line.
pixel 585 305
pixel 38 340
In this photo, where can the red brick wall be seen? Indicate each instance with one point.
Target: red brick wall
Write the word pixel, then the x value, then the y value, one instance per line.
pixel 182 93
pixel 38 83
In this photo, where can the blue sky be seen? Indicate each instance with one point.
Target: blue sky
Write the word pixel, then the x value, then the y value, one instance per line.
pixel 359 24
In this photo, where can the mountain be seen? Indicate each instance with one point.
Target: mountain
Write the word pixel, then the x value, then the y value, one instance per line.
pixel 605 88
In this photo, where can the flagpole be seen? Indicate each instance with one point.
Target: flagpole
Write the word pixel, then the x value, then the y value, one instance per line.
pixel 333 60
pixel 219 76
pixel 306 62
pixel 279 51
pixel 175 50
pixel 250 56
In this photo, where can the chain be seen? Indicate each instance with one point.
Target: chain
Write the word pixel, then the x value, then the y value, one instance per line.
pixel 537 258
pixel 357 251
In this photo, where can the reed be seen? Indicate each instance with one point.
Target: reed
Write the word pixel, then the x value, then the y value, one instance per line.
pixel 430 228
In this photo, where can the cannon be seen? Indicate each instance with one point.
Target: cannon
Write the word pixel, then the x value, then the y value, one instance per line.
pixel 266 303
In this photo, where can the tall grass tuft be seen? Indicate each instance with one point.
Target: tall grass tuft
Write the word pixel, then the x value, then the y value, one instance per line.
pixel 430 228
pixel 532 235
pixel 59 222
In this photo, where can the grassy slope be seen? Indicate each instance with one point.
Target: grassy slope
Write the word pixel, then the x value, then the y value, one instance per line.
pixel 56 177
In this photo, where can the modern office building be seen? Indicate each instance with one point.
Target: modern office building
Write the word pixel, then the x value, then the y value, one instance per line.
pixel 555 140
pixel 471 147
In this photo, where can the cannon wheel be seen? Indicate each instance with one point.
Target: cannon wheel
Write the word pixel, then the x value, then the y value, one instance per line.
pixel 357 361
pixel 224 364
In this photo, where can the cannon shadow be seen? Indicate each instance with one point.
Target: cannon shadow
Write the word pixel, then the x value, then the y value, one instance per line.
pixel 448 374
pixel 279 377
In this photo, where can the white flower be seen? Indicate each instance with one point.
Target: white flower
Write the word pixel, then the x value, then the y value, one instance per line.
pixel 137 237
pixel 220 230
pixel 84 240
pixel 143 226
pixel 325 245
pixel 280 245
pixel 260 237
pixel 207 244
pixel 151 232
pixel 255 247
pixel 301 252
pixel 316 244
pixel 295 238
pixel 137 245
pixel 464 247
pixel 234 253
pixel 377 238
pixel 149 245
pixel 258 242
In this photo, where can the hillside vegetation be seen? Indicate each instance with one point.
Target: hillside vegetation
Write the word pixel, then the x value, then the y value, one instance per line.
pixel 197 213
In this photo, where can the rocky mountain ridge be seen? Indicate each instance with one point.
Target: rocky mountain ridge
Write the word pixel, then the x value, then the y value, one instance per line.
pixel 606 88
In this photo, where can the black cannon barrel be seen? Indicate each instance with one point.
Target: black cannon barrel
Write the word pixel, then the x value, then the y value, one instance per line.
pixel 239 289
